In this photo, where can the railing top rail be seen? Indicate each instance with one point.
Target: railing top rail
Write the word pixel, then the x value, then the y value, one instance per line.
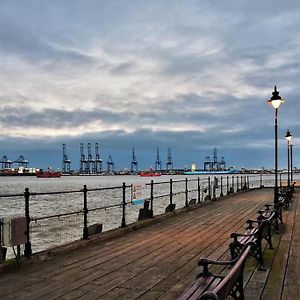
pixel 62 192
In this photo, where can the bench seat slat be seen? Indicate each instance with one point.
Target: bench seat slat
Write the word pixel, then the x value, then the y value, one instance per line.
pixel 201 284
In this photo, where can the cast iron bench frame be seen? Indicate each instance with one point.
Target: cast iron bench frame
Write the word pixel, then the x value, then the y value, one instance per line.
pixel 253 235
pixel 219 287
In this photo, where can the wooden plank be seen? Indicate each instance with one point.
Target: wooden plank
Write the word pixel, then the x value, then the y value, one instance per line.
pixel 155 261
pixel 274 285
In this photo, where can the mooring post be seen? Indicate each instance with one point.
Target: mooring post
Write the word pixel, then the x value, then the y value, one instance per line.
pixel 198 188
pixel 123 224
pixel 221 194
pixel 151 199
pixel 186 193
pixel 85 234
pixel 27 250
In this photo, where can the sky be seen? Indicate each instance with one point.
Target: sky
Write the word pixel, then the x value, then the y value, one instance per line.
pixel 188 75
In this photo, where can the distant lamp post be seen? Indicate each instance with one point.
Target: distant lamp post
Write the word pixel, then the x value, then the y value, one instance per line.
pixel 288 137
pixel 275 101
pixel 291 148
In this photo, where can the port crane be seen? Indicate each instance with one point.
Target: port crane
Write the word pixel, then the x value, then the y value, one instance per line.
pixel 134 163
pixel 158 161
pixel 83 160
pixel 66 163
pixel 110 165
pixel 169 164
pixel 98 160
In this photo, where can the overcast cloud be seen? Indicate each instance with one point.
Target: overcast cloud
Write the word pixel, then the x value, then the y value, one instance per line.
pixel 189 75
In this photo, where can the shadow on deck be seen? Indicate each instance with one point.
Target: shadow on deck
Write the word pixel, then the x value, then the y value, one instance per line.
pixel 159 261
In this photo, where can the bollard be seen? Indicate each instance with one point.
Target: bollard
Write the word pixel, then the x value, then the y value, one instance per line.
pixel 186 192
pixel 123 224
pixel 85 234
pixel 28 250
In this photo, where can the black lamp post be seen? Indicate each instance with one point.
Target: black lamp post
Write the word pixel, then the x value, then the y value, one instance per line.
pixel 288 137
pixel 275 101
pixel 291 149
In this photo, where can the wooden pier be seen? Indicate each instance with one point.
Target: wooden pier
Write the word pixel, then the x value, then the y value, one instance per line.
pixel 159 261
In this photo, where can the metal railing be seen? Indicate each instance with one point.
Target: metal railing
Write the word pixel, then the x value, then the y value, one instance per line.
pixel 77 214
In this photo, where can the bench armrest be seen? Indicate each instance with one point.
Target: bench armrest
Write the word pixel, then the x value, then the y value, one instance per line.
pixel 235 235
pixel 250 223
pixel 205 262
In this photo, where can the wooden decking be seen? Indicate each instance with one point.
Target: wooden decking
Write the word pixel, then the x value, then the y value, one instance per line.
pixel 159 261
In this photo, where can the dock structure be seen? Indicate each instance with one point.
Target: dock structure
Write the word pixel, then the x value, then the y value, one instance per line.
pixel 159 260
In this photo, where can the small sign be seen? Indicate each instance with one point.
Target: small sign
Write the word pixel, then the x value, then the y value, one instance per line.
pixel 138 202
pixel 138 194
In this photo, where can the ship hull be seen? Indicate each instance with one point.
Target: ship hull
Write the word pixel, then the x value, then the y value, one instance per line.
pixel 150 174
pixel 48 175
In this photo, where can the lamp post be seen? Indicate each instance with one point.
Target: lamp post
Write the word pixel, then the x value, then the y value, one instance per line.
pixel 275 101
pixel 291 149
pixel 288 137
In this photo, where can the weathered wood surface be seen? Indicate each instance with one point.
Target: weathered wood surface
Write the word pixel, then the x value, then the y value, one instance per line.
pixel 160 261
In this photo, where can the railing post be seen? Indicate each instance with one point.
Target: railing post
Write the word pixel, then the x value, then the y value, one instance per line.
pixel 209 190
pixel 221 194
pixel 186 193
pixel 198 189
pixel 123 224
pixel 260 179
pixel 85 234
pixel 237 183
pixel 214 188
pixel 227 183
pixel 28 250
pixel 232 183
pixel 151 199
pixel 248 183
pixel 280 181
pixel 171 193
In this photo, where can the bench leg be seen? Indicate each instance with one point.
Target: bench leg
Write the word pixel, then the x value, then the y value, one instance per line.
pixel 257 254
pixel 237 291
pixel 269 236
pixel 235 249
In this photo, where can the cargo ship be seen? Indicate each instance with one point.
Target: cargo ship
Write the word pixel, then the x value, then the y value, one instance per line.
pixel 149 174
pixel 47 174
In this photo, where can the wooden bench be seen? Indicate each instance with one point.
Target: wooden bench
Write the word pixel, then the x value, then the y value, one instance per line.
pixel 218 287
pixel 253 235
pixel 286 195
pixel 272 214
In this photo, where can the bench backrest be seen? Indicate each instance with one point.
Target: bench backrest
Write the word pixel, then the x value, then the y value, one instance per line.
pixel 223 289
